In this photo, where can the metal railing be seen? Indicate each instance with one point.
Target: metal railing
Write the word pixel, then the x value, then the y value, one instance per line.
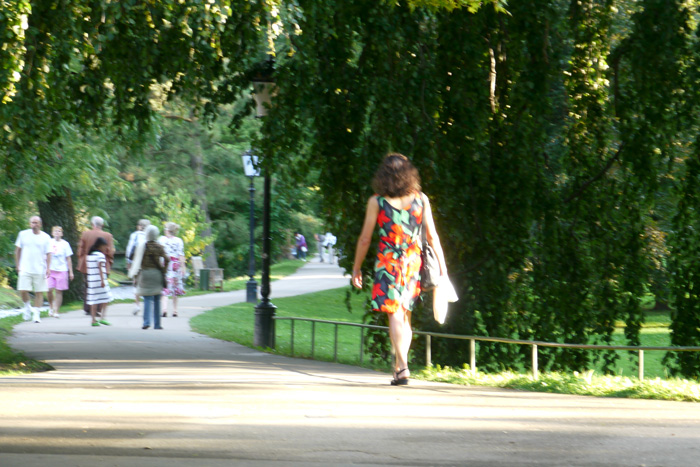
pixel 472 343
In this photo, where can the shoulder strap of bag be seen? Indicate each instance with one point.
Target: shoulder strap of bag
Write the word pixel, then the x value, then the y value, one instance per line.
pixel 424 235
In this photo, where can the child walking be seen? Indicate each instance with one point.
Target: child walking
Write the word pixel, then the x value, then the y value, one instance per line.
pixel 97 286
pixel 61 272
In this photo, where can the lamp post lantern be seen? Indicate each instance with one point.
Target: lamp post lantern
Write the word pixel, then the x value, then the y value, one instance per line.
pixel 250 163
pixel 264 331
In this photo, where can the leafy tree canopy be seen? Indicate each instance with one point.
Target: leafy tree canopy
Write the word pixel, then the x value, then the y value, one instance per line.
pixel 546 136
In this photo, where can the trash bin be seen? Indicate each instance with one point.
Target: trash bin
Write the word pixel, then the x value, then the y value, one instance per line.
pixel 204 279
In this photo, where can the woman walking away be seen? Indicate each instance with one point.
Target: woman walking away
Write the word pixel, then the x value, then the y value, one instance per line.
pixel 175 249
pixel 149 266
pixel 401 210
pixel 97 285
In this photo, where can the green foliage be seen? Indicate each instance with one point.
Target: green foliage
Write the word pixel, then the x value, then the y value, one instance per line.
pixel 547 136
pixel 13 24
pixel 472 5
pixel 202 164
pixel 179 207
pixel 102 64
pixel 79 78
pixel 685 246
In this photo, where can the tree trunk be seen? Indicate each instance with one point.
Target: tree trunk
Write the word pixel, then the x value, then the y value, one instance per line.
pixel 58 210
pixel 197 163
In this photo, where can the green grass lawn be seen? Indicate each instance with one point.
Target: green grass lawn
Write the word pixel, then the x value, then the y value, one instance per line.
pixel 627 365
pixel 12 362
pixel 235 323
pixel 9 299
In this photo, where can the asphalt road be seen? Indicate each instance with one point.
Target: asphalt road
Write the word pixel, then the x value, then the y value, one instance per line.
pixel 122 396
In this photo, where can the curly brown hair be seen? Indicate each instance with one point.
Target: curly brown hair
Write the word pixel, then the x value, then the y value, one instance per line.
pixel 396 177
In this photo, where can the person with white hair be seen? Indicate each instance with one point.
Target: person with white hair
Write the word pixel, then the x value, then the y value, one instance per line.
pixel 149 265
pixel 87 240
pixel 175 249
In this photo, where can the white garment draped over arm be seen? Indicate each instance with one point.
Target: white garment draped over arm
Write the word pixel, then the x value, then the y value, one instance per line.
pixel 136 262
pixel 443 294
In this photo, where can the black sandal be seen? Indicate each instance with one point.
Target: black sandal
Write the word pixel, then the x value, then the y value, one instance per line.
pixel 399 381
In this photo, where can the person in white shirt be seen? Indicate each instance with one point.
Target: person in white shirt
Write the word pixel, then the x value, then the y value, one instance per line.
pixel 136 238
pixel 32 260
pixel 329 241
pixel 61 271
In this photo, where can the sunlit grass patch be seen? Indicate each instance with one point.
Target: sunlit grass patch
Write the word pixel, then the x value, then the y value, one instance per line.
pixel 12 362
pixel 584 384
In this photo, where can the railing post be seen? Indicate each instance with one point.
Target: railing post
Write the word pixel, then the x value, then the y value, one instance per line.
pixel 472 356
pixel 428 361
pixel 313 338
pixel 641 365
pixel 335 347
pixel 362 345
pixel 292 338
pixel 535 366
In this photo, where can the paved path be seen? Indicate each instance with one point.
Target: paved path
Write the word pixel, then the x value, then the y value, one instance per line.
pixel 121 396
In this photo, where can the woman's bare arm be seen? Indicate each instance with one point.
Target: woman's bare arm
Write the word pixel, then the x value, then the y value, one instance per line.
pixel 365 239
pixel 432 235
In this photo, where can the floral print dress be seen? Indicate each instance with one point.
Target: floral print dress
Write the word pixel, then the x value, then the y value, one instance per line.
pixel 397 268
pixel 174 249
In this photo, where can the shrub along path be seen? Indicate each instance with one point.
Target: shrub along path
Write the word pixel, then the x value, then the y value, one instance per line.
pixel 124 396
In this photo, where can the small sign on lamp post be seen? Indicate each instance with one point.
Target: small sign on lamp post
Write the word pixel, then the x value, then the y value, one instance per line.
pixel 250 167
pixel 250 164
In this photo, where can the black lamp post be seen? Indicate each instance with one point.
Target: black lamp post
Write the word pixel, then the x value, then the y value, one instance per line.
pixel 264 332
pixel 250 162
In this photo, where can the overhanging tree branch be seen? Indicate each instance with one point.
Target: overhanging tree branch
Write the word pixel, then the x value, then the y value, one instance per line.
pixel 597 177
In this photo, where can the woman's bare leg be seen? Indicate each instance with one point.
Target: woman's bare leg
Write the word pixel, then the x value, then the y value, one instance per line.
pixel 401 335
pixel 57 301
pixel 51 297
pixel 93 313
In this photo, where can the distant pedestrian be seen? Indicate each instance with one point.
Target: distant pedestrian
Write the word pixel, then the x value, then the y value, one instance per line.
pixel 98 292
pixel 319 245
pixel 175 249
pixel 301 246
pixel 149 266
pixel 329 241
pixel 61 272
pixel 32 260
pixel 136 238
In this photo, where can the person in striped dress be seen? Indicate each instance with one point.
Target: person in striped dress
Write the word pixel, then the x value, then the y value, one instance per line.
pixel 97 285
